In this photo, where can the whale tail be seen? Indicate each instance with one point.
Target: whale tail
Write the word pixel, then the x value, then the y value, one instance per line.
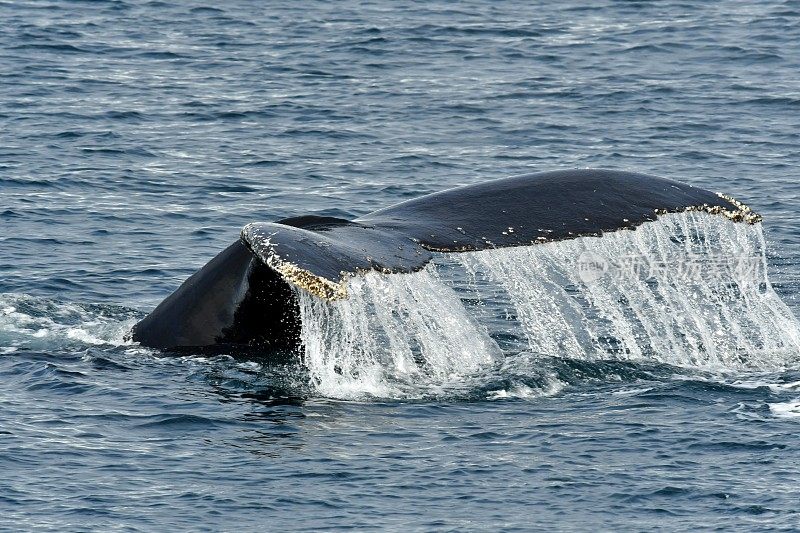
pixel 245 295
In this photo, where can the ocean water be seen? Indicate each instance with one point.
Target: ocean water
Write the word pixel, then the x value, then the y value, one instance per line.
pixel 137 138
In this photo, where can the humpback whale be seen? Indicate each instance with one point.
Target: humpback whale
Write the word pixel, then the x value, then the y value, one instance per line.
pixel 245 296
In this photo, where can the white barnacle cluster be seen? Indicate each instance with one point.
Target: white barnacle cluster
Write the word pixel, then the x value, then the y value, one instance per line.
pixel 742 213
pixel 261 243
pixel 316 285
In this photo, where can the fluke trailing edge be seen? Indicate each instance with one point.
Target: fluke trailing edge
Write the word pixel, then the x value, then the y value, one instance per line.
pixel 245 295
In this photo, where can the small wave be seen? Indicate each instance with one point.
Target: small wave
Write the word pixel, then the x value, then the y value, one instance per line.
pixel 160 54
pixel 113 152
pixel 123 115
pixel 180 422
pixel 526 31
pixel 70 134
pixel 206 10
pixel 264 163
pixel 780 101
pixel 54 47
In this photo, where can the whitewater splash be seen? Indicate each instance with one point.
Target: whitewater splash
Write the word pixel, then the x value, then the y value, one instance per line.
pixel 35 323
pixel 690 289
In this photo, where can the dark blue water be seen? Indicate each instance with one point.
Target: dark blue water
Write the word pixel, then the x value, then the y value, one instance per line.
pixel 137 138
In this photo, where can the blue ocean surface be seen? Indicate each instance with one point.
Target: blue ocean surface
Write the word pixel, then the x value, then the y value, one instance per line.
pixel 138 137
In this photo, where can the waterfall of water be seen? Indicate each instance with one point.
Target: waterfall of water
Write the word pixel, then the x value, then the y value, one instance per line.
pixel 689 289
pixel 391 330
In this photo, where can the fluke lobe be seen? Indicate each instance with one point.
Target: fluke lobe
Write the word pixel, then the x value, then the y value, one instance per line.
pixel 245 296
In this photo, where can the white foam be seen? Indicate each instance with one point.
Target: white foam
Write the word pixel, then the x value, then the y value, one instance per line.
pixel 786 409
pixel 27 321
pixel 774 387
pixel 519 390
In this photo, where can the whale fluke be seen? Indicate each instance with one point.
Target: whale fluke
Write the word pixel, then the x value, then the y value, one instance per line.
pixel 244 297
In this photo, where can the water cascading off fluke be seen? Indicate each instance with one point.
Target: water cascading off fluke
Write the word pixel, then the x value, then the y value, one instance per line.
pixel 580 264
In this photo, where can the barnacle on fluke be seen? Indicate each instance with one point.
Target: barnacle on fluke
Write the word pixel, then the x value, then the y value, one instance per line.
pixel 321 287
pixel 318 254
pixel 742 213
